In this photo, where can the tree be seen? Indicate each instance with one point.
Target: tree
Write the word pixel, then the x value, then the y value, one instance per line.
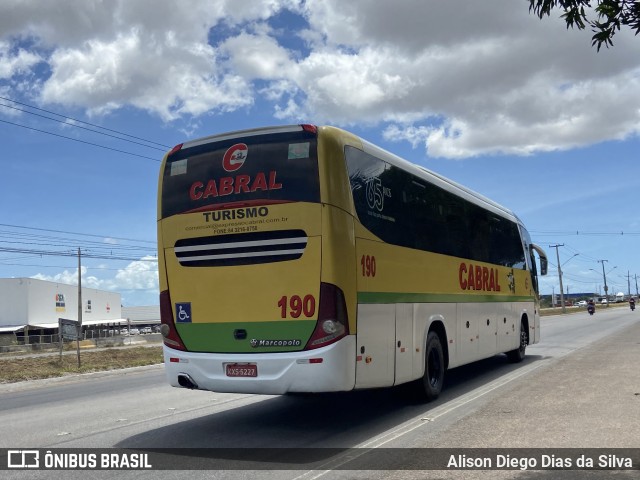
pixel 611 15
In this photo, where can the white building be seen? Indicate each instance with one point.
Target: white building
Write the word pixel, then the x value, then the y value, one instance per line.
pixel 27 303
pixel 147 315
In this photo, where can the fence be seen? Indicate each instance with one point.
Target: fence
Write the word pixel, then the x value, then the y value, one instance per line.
pixel 92 336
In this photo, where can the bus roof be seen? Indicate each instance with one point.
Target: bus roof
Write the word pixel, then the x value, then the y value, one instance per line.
pixel 418 170
pixel 242 133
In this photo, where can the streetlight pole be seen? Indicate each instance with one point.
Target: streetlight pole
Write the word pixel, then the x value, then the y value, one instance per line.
pixel 564 308
pixel 604 276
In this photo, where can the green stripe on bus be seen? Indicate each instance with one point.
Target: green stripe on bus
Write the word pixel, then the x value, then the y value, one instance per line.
pixel 268 336
pixel 392 297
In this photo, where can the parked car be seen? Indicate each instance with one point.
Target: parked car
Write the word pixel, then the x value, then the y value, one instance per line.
pixel 124 331
pixel 582 303
pixel 134 331
pixel 145 330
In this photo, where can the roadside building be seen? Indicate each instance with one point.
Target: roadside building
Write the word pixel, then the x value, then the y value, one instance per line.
pixel 145 318
pixel 30 309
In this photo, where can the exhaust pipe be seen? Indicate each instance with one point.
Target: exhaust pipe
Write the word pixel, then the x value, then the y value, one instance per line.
pixel 186 381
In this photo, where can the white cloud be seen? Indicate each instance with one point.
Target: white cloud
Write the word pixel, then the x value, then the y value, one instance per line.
pixel 138 275
pixel 257 56
pixel 460 78
pixel 16 63
pixel 71 278
pixel 150 73
pixel 137 281
pixel 151 54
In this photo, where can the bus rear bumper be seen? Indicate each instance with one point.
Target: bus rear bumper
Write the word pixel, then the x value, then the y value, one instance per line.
pixel 328 369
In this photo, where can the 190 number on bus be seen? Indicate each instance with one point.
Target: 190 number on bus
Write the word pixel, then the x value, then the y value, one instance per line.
pixel 368 263
pixel 296 306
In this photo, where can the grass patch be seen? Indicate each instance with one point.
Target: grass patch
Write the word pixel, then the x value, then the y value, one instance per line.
pixel 48 366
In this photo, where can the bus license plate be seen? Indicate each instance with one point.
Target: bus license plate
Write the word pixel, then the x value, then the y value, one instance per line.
pixel 241 369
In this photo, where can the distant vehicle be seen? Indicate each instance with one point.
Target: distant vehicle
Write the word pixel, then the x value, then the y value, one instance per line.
pixel 604 301
pixel 156 329
pixel 124 331
pixel 582 303
pixel 134 331
pixel 145 330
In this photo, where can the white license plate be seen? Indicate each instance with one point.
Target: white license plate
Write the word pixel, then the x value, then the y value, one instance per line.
pixel 241 369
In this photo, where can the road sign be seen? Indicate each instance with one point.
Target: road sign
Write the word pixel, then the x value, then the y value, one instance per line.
pixel 68 329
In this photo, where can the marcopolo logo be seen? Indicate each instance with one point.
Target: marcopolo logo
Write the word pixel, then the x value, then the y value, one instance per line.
pixel 255 343
pixel 235 157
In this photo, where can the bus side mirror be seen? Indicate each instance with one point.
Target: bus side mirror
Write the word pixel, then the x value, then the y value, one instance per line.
pixel 544 264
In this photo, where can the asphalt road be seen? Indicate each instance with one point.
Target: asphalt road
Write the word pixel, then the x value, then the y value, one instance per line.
pixel 579 388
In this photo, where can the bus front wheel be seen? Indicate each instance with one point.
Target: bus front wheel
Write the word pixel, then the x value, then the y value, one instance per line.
pixel 430 385
pixel 518 354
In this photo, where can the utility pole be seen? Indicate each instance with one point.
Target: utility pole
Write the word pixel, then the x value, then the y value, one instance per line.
pixel 629 282
pixel 636 275
pixel 79 304
pixel 564 308
pixel 604 276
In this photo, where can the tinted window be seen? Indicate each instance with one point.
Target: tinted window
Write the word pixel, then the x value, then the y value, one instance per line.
pixel 406 210
pixel 273 167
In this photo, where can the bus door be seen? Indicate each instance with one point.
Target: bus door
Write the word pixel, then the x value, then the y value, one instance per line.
pixel 375 365
pixel 385 345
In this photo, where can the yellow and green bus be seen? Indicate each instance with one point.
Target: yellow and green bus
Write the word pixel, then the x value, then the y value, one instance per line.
pixel 305 259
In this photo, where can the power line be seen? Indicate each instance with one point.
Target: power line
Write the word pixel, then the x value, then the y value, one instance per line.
pixel 83 128
pixel 81 141
pixel 21 242
pixel 80 121
pixel 582 233
pixel 63 266
pixel 46 240
pixel 69 253
pixel 76 233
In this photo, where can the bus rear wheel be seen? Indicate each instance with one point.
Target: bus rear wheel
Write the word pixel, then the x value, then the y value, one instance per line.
pixel 430 385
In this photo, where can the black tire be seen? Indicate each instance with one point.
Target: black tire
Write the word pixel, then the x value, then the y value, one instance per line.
pixel 518 354
pixel 430 385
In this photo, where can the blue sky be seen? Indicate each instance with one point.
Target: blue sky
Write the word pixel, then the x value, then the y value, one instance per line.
pixel 521 110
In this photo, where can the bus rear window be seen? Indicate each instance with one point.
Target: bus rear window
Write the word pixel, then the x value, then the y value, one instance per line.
pixel 277 167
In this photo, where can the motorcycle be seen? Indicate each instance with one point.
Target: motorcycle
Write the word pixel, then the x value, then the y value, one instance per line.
pixel 591 309
pixel 632 305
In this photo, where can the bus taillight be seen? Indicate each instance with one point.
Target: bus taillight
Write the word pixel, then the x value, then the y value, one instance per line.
pixel 175 149
pixel 332 322
pixel 168 329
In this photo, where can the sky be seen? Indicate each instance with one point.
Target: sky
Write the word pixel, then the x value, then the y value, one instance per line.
pixel 521 110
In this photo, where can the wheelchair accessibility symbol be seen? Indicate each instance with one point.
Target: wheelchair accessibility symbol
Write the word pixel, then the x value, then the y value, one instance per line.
pixel 183 312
